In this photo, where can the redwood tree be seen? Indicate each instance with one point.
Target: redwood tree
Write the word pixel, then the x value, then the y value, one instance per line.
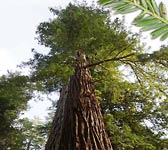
pixel 78 122
pixel 109 46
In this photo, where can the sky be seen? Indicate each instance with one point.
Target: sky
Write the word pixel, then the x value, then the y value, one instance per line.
pixel 18 23
pixel 19 20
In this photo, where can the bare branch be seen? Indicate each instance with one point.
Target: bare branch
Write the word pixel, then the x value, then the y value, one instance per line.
pixel 107 60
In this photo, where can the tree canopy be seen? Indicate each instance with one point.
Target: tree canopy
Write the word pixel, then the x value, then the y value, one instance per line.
pixel 126 105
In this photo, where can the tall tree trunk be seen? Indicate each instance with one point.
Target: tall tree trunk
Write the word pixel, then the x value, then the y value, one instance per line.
pixel 78 122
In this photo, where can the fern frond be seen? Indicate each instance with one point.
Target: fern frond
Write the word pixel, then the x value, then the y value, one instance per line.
pixel 152 18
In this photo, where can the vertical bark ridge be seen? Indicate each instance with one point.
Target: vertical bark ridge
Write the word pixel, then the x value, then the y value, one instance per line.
pixel 78 122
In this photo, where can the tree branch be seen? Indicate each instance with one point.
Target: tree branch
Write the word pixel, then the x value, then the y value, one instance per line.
pixel 107 60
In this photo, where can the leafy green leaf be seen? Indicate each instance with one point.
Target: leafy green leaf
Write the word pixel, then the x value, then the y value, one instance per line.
pixel 150 7
pixel 163 10
pixel 140 16
pixel 155 7
pixel 152 26
pixel 104 2
pixel 146 21
pixel 115 5
pixel 127 10
pixel 144 3
pixel 119 7
pixel 159 32
pixel 164 36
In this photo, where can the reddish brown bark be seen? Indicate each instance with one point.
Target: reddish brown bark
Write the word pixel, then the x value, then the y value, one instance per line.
pixel 78 122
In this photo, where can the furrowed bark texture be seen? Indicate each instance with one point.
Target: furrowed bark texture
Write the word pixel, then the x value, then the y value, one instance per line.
pixel 78 122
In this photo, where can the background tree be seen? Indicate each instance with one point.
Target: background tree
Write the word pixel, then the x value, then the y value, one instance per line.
pixel 34 133
pixel 14 95
pixel 16 133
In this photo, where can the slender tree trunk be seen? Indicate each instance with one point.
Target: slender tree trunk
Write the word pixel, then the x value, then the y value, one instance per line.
pixel 78 122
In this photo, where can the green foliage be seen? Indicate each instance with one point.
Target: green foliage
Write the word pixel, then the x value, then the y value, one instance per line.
pixel 14 95
pixel 153 17
pixel 125 118
pixel 74 28
pixel 126 105
pixel 34 133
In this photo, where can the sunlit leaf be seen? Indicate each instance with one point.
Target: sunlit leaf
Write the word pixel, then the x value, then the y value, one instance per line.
pixel 163 10
pixel 118 8
pixel 143 3
pixel 146 21
pixel 155 7
pixel 159 32
pixel 164 36
pixel 152 26
pixel 115 5
pixel 126 10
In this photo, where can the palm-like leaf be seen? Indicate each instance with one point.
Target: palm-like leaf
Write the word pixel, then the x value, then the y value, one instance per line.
pixel 152 18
